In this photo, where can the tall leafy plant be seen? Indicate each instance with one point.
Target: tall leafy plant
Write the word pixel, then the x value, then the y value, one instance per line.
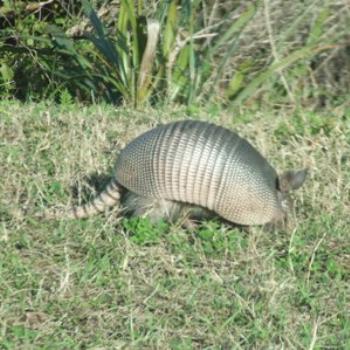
pixel 178 51
pixel 137 63
pixel 125 62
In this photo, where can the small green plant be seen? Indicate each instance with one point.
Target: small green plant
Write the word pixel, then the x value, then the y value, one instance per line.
pixel 318 123
pixel 143 231
pixel 215 239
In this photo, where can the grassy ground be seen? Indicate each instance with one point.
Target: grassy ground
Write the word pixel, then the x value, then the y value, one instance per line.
pixel 110 283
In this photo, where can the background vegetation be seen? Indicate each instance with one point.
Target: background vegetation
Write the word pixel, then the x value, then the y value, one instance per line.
pixel 78 81
pixel 188 51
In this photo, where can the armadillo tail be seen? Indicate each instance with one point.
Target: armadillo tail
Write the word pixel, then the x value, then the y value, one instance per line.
pixel 109 197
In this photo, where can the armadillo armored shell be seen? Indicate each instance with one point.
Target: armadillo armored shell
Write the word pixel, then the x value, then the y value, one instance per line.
pixel 205 165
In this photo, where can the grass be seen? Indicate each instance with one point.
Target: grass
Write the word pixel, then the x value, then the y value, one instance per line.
pixel 111 283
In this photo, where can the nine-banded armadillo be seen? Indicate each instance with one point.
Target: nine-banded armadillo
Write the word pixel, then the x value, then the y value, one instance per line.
pixel 199 164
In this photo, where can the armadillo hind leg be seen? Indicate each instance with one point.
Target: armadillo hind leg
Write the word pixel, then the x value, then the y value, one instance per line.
pixel 161 209
pixel 154 209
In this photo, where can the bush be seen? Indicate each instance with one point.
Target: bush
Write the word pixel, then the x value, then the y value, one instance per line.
pixel 127 52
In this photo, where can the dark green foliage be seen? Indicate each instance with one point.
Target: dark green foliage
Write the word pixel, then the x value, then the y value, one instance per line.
pixel 77 51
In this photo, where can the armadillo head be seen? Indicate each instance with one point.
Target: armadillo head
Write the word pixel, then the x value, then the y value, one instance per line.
pixel 289 181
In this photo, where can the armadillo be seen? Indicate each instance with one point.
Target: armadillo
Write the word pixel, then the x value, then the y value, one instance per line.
pixel 200 165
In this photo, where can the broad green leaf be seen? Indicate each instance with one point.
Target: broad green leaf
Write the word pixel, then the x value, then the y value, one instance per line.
pixel 235 28
pixel 319 26
pixel 233 32
pixel 6 72
pixel 235 84
pixel 170 29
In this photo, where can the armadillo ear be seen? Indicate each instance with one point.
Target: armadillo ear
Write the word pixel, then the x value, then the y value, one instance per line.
pixel 292 180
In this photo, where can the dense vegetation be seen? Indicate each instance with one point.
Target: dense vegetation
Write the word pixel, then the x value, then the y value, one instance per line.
pixel 188 51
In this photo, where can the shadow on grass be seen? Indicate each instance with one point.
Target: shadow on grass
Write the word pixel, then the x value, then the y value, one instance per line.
pixel 93 182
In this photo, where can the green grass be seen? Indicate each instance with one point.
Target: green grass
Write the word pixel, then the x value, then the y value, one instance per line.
pixel 110 283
